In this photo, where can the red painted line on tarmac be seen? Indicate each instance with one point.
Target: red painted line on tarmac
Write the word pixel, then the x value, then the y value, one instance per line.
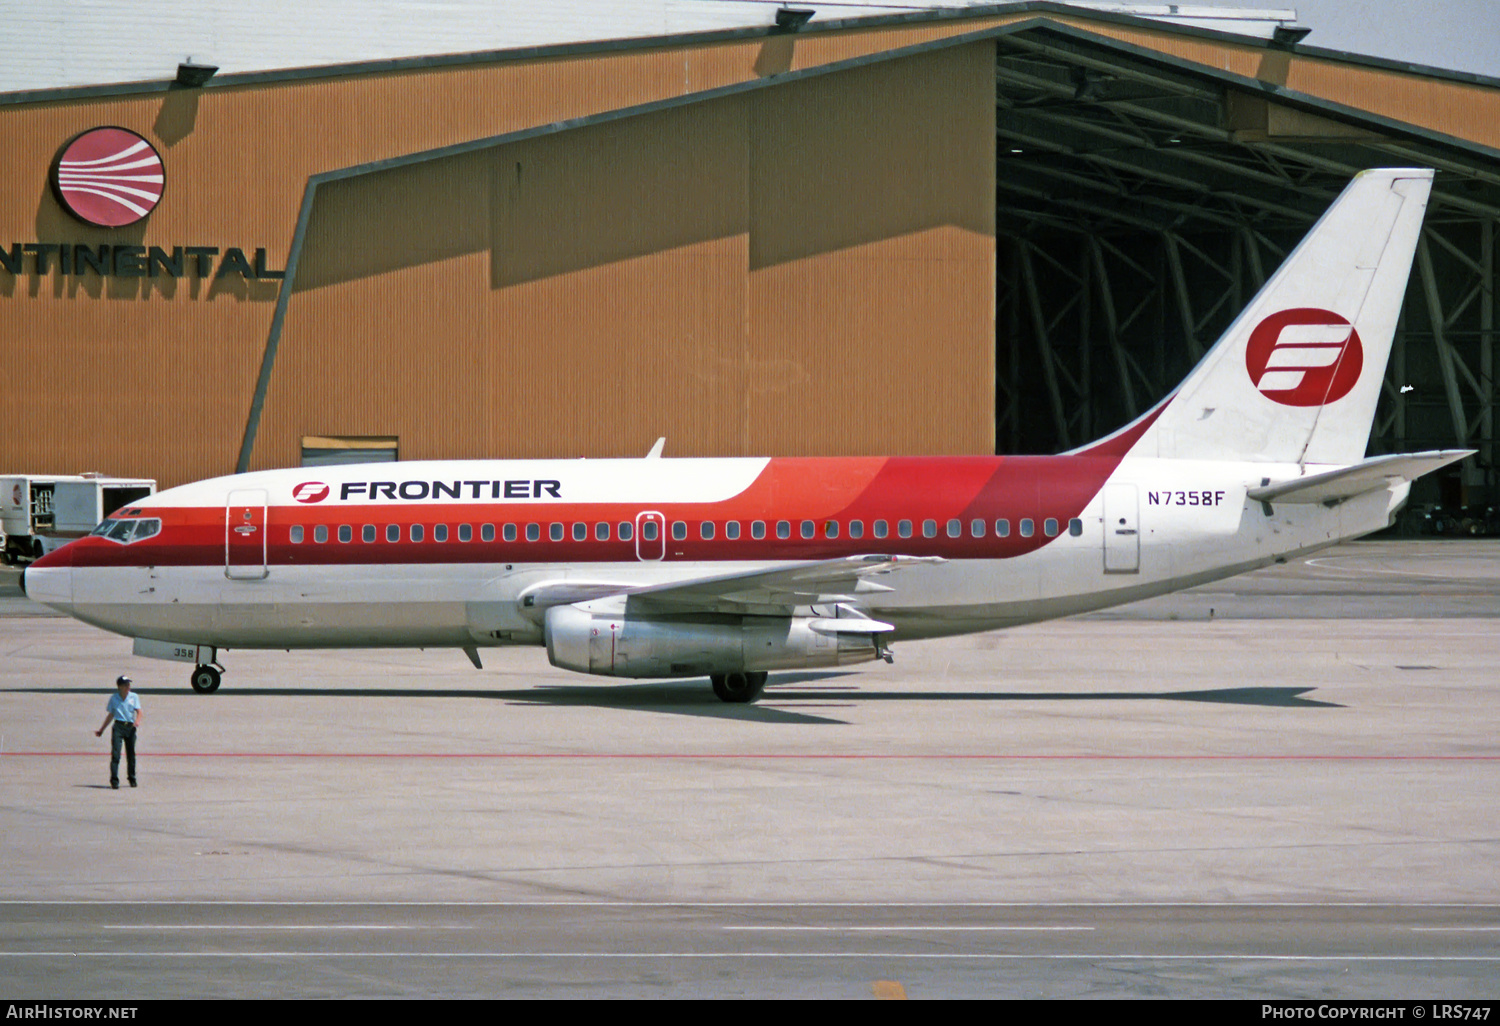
pixel 775 756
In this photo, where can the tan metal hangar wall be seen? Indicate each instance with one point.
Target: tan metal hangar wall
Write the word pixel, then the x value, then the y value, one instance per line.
pixel 154 375
pixel 1461 109
pixel 803 268
pixel 781 314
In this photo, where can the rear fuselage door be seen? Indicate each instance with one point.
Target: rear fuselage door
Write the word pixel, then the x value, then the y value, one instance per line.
pixel 245 535
pixel 1122 529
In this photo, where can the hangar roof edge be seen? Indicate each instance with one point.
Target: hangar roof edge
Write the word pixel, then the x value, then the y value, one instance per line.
pixel 396 65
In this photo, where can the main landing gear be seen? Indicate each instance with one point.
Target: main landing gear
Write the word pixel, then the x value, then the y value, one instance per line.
pixel 738 687
pixel 205 679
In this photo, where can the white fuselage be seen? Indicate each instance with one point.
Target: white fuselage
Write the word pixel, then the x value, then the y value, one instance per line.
pixel 1154 527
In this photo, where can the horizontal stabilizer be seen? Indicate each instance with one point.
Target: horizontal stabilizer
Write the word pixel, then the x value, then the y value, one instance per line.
pixel 1370 475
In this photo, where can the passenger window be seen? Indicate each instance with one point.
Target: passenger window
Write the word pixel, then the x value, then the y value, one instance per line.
pixel 601 531
pixel 367 533
pixel 706 530
pixel 346 533
pixel 783 529
pixel 508 532
pixel 679 530
pixel 555 532
pixel 320 533
pixel 955 529
pixel 465 532
pixel 929 529
pixel 757 529
pixel 1002 528
pixel 533 532
pixel 881 529
pixel 627 530
pixel 856 528
pixel 649 530
pixel 296 534
pixel 1049 526
pixel 418 532
pixel 580 532
pixel 487 533
pixel 439 532
pixel 808 529
pixel 392 532
pixel 903 528
pixel 831 529
pixel 1027 529
pixel 976 528
pixel 1075 527
pixel 732 530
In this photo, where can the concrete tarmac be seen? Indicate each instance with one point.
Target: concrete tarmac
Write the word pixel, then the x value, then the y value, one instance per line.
pixel 1281 786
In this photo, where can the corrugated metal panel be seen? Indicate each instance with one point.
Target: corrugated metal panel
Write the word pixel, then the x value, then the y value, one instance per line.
pixel 630 293
pixel 98 41
pixel 179 367
pixel 137 376
pixel 92 42
pixel 625 323
pixel 384 335
pixel 153 376
pixel 1453 108
pixel 1458 109
pixel 872 255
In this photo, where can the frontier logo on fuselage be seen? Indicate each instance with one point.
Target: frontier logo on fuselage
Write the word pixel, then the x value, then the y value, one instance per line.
pixel 310 491
pixel 416 491
pixel 1304 357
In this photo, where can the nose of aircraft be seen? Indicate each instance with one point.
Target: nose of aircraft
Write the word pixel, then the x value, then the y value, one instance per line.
pixel 49 580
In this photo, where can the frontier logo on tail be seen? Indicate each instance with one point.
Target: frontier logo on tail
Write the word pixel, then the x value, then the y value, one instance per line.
pixel 1304 357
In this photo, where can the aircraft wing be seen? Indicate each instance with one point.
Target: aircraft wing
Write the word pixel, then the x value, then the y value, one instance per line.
pixel 1334 486
pixel 776 592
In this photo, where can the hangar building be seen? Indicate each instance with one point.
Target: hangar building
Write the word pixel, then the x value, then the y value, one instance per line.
pixel 1006 228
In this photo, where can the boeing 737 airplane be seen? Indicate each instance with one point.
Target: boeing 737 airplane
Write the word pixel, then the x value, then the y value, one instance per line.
pixel 733 567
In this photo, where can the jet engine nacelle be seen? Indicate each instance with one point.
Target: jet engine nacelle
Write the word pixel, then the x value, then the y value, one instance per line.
pixel 633 647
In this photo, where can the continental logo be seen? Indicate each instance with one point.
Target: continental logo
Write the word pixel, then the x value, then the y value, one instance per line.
pixel 416 491
pixel 109 177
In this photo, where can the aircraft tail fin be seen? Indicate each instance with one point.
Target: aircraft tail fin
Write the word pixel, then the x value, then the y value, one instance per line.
pixel 1296 377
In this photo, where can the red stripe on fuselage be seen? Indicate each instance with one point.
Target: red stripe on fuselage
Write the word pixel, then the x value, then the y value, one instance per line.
pixel 820 490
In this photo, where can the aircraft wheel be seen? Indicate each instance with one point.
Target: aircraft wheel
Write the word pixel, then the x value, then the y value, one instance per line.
pixel 205 679
pixel 738 687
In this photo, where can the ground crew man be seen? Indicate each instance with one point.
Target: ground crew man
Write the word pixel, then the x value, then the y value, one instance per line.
pixel 124 709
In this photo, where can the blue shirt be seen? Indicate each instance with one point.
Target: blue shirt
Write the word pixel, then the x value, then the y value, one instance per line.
pixel 123 709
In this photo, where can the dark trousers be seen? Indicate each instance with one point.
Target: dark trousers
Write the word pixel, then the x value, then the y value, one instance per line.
pixel 123 733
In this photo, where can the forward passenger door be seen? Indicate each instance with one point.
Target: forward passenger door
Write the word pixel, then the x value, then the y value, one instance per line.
pixel 245 535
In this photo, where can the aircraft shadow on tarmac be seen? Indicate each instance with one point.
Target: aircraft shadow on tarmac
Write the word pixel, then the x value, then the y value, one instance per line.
pixel 693 697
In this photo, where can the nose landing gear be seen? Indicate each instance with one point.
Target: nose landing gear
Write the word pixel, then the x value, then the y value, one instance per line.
pixel 206 678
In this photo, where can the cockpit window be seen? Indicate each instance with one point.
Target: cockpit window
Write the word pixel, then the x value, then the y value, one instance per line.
pixel 128 531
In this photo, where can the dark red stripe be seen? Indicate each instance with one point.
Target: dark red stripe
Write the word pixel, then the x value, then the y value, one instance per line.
pixel 904 488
